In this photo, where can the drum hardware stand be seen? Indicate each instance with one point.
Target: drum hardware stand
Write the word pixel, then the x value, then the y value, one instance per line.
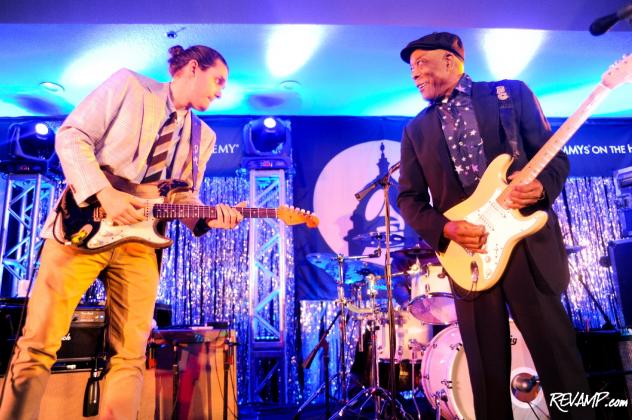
pixel 439 397
pixel 376 391
pixel 607 323
pixel 344 304
pixel 228 361
pixel 324 344
pixel 415 346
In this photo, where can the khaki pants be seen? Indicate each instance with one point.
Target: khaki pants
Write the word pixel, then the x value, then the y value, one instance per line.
pixel 130 275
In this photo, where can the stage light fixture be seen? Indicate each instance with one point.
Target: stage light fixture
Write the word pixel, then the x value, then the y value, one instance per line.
pixel 267 144
pixel 269 123
pixel 31 147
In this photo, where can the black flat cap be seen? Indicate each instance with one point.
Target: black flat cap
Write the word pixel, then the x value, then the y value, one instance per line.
pixel 435 41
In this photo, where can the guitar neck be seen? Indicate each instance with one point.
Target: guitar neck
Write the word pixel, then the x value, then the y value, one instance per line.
pixel 185 211
pixel 561 136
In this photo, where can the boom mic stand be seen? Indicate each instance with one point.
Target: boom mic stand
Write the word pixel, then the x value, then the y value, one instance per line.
pixel 344 307
pixel 384 182
pixel 324 344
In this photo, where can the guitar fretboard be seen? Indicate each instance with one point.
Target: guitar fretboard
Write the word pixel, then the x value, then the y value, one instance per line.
pixel 559 139
pixel 184 211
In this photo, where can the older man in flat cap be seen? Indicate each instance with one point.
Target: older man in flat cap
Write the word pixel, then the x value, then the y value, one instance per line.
pixel 444 153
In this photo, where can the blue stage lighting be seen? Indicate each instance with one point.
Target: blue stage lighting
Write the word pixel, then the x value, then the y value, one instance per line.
pixel 267 144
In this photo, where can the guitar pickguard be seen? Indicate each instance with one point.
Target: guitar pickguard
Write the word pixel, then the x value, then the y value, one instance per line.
pixel 503 228
pixel 144 231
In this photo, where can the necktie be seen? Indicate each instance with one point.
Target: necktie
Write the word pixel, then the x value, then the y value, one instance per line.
pixel 158 157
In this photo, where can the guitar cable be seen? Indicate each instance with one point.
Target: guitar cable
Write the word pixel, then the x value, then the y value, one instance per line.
pixel 468 295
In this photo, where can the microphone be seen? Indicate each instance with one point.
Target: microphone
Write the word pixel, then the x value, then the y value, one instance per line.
pixel 603 24
pixel 381 178
pixel 523 384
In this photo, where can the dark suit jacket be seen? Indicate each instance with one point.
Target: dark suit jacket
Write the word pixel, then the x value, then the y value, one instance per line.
pixel 426 165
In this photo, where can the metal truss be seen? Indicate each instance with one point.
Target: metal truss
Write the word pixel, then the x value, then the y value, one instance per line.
pixel 28 199
pixel 268 274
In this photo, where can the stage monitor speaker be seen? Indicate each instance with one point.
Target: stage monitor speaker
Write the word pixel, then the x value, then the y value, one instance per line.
pixel 620 253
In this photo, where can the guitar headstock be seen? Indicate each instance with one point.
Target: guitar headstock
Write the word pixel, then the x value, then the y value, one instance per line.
pixel 295 216
pixel 618 73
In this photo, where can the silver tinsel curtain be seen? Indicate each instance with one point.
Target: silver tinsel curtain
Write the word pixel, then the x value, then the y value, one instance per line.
pixel 589 220
pixel 205 279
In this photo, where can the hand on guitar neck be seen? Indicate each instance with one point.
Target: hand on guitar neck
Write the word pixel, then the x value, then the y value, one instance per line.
pixel 122 208
pixel 227 217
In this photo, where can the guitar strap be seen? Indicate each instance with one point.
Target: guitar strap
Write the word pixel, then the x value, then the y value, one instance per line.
pixel 196 138
pixel 508 118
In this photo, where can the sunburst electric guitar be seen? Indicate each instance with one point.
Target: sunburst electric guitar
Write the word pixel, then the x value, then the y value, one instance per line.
pixel 88 229
pixel 487 205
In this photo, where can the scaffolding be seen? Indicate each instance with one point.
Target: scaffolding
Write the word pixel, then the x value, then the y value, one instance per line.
pixel 28 199
pixel 268 255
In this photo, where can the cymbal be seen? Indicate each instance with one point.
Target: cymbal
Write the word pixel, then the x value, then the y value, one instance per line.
pixel 374 237
pixel 422 251
pixel 354 270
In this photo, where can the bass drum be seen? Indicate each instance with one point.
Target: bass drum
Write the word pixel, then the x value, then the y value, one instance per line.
pixel 445 372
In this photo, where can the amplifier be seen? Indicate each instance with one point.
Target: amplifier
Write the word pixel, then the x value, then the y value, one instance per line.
pixel 625 221
pixel 84 340
pixel 620 253
pixel 78 348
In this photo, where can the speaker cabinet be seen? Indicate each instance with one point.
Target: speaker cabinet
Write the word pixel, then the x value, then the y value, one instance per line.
pixel 620 252
pixel 603 354
pixel 63 398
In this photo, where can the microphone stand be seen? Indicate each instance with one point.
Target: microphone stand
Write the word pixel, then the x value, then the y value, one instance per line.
pixel 604 24
pixel 324 344
pixel 384 182
pixel 607 323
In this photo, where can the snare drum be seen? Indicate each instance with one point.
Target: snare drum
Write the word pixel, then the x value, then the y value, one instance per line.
pixel 444 371
pixel 432 301
pixel 409 334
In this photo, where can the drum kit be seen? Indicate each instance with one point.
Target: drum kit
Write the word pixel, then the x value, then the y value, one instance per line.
pixel 434 367
pixel 403 355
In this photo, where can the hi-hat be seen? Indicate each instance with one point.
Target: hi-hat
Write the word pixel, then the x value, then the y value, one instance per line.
pixel 354 270
pixel 373 238
pixel 421 251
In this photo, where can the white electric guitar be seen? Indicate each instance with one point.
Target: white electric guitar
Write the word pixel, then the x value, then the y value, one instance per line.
pixel 487 205
pixel 89 229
